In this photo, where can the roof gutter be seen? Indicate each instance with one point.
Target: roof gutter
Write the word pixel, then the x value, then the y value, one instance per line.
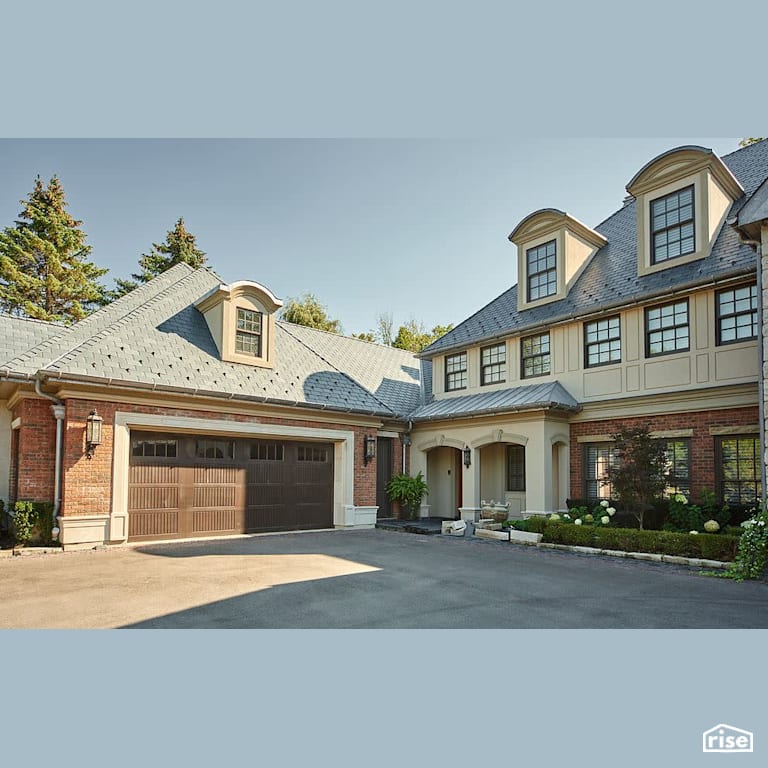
pixel 95 381
pixel 59 411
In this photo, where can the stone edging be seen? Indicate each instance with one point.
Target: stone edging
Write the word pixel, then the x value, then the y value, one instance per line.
pixel 647 556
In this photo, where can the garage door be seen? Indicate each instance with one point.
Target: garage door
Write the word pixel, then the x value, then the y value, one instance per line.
pixel 182 486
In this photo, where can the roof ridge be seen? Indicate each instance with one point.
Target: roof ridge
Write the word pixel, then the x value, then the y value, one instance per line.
pixel 378 345
pixel 128 317
pixel 48 323
pixel 741 149
pixel 335 368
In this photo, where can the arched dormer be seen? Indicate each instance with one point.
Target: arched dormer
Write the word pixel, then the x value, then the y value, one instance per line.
pixel 683 197
pixel 241 318
pixel 552 250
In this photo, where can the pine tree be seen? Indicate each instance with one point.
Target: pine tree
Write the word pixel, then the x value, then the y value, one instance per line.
pixel 44 272
pixel 179 246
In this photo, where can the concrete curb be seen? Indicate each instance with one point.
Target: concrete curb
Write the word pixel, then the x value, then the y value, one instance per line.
pixel 694 562
pixel 650 557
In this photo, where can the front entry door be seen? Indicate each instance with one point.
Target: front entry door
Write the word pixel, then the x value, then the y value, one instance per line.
pixel 384 450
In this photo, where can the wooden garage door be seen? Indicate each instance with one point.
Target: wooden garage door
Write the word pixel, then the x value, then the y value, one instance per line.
pixel 185 486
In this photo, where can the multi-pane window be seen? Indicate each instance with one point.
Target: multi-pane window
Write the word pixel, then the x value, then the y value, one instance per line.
pixel 535 357
pixel 456 372
pixel 267 451
pixel 493 364
pixel 598 458
pixel 738 469
pixel 667 329
pixel 311 453
pixel 678 470
pixel 164 448
pixel 672 226
pixel 215 449
pixel 542 271
pixel 736 314
pixel 515 467
pixel 248 333
pixel 602 342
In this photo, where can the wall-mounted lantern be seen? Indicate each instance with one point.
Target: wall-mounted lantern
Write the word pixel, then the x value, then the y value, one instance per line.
pixel 467 456
pixel 92 432
pixel 369 448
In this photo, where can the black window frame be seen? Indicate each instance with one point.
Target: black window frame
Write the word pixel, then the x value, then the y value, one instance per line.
pixel 499 366
pixel 539 254
pixel 456 371
pixel 590 477
pixel 720 316
pixel 598 342
pixel 536 355
pixel 741 480
pixel 662 328
pixel 244 331
pixel 515 468
pixel 676 225
pixel 675 472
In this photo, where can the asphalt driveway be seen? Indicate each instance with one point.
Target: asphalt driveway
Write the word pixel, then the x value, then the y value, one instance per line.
pixel 364 579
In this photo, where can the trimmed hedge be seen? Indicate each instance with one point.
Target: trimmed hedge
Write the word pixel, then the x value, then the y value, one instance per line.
pixel 703 545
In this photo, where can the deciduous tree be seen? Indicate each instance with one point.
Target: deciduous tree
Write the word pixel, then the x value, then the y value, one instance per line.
pixel 307 310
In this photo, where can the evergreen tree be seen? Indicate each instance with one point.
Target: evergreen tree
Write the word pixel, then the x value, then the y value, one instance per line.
pixel 44 271
pixel 179 246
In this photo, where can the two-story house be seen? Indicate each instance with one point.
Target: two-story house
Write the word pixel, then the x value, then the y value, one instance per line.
pixel 651 317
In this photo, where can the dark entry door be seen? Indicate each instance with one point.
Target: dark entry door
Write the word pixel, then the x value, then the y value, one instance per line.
pixel 384 457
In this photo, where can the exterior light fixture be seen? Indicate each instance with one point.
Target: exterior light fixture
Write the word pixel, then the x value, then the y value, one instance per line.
pixel 369 448
pixel 92 432
pixel 467 456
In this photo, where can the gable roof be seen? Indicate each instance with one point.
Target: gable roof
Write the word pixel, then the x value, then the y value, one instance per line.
pixel 610 279
pixel 154 338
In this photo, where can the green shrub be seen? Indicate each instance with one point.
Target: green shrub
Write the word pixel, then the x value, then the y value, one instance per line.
pixel 711 510
pixel 32 521
pixel 536 523
pixel 751 556
pixel 708 546
pixel 408 492
pixel 682 516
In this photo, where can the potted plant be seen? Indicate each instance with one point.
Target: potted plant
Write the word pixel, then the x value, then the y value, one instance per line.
pixel 408 492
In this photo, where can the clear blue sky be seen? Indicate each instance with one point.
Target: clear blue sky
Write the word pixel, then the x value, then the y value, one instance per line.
pixel 416 228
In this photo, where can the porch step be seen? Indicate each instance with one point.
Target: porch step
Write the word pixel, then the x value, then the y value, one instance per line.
pixel 428 526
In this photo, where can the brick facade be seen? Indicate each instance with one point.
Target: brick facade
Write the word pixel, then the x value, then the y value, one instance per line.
pixel 87 483
pixel 33 452
pixel 87 487
pixel 702 454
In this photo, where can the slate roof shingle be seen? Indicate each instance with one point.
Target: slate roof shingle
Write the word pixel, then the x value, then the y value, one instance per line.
pixel 610 279
pixel 159 340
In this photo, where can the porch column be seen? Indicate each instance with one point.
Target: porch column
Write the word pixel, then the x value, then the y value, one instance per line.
pixel 538 472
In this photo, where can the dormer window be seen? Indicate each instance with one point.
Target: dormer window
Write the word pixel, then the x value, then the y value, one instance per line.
pixel 241 319
pixel 248 334
pixel 673 226
pixel 542 271
pixel 553 248
pixel 682 198
pixel 456 372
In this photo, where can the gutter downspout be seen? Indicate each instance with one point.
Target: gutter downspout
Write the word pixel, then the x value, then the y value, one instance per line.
pixel 58 409
pixel 757 245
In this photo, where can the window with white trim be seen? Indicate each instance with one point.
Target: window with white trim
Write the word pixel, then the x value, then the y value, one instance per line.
pixel 541 264
pixel 602 342
pixel 535 357
pixel 493 364
pixel 248 333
